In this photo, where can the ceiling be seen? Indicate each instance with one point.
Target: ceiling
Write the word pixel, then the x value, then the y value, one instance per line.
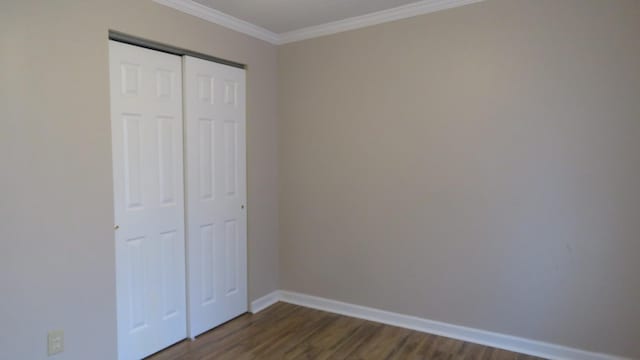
pixel 282 16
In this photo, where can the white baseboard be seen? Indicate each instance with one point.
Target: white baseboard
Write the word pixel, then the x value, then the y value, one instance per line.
pixel 264 302
pixel 492 339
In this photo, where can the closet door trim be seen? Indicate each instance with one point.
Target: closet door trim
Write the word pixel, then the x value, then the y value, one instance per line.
pixel 158 46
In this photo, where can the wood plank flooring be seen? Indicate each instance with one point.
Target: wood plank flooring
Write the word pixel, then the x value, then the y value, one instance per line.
pixel 285 331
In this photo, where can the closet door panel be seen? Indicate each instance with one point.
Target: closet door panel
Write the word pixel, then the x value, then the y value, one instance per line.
pixel 216 193
pixel 147 148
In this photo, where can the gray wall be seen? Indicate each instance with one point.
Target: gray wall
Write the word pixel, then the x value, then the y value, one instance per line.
pixel 478 166
pixel 56 213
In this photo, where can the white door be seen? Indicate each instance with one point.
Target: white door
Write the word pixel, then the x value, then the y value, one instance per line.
pixel 216 193
pixel 146 126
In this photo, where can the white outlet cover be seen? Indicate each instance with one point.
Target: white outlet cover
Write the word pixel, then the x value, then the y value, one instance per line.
pixel 55 342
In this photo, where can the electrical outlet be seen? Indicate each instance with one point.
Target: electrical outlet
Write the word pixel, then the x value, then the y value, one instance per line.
pixel 55 342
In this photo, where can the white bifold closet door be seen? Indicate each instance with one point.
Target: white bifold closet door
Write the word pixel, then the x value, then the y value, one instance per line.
pixel 146 119
pixel 216 193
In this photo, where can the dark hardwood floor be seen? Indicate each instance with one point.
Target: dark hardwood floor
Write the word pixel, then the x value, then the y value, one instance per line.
pixel 285 331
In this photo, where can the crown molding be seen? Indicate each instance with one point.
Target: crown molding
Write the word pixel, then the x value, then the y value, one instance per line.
pixel 218 17
pixel 379 17
pixel 401 12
